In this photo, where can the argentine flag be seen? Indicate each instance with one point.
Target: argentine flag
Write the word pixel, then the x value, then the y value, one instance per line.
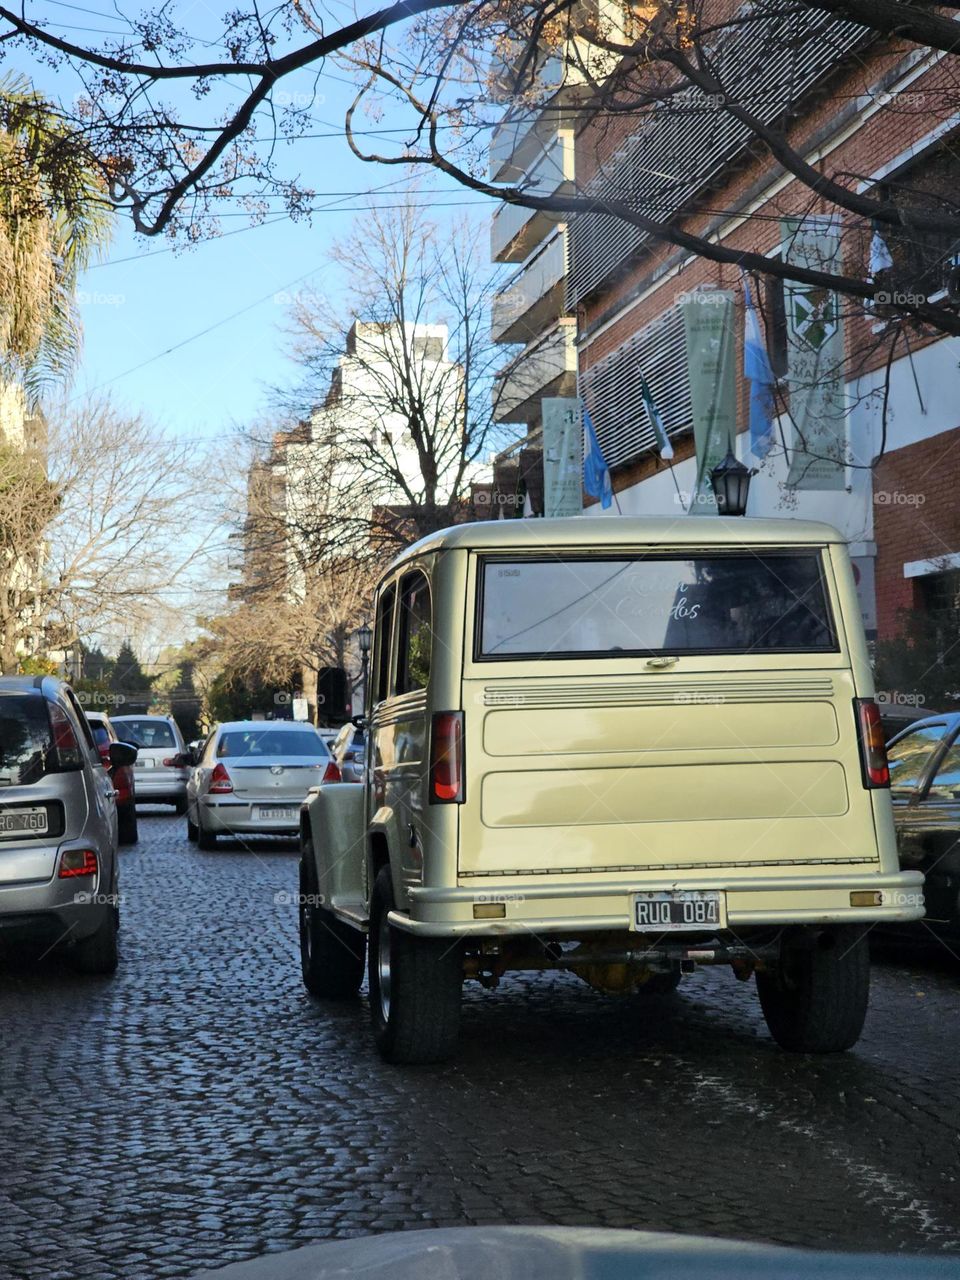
pixel 756 367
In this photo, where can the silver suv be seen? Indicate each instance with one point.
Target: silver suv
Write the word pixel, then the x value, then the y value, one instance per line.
pixel 163 762
pixel 58 824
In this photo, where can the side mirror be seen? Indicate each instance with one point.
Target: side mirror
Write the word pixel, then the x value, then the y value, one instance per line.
pixel 358 722
pixel 187 758
pixel 122 753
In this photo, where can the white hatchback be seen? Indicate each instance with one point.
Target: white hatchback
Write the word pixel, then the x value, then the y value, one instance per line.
pixel 252 777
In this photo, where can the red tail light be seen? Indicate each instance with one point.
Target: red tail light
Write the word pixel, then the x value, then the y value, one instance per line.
pixel 446 758
pixel 873 751
pixel 220 780
pixel 171 762
pixel 77 862
pixel 65 742
pixel 332 773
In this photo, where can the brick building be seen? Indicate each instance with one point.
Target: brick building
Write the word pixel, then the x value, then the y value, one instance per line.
pixel 878 117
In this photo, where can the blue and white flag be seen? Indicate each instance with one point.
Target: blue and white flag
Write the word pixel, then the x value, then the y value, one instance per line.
pixel 880 259
pixel 596 473
pixel 756 367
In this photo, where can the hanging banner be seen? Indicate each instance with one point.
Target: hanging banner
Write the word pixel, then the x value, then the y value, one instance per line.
pixel 708 327
pixel 562 456
pixel 818 406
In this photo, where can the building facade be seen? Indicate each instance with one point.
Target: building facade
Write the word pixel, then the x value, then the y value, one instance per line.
pixel 879 116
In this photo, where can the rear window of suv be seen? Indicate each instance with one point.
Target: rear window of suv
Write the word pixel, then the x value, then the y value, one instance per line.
pixel 756 602
pixel 26 743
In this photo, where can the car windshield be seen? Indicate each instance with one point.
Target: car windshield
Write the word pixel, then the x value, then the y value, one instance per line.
pixel 145 733
pixel 25 739
pixel 737 603
pixel 272 742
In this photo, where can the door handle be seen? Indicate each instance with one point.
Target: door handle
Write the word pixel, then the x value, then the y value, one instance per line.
pixel 659 664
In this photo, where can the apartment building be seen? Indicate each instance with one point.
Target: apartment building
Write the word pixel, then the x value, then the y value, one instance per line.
pixel 879 116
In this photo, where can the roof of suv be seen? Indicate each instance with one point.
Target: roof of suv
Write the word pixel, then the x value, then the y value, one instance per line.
pixel 623 532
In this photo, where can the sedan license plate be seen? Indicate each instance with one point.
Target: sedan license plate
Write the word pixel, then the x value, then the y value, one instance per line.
pixel 683 910
pixel 273 815
pixel 30 821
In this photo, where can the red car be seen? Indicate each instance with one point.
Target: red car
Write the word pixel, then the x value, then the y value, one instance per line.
pixel 123 779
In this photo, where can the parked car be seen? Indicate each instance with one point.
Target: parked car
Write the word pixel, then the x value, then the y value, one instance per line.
pixel 925 787
pixel 349 752
pixel 58 824
pixel 163 761
pixel 252 778
pixel 123 776
pixel 624 748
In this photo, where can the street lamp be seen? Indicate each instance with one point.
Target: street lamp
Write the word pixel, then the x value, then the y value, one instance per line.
pixel 364 639
pixel 731 485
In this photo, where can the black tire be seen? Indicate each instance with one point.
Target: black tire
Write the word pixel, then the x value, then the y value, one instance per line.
pixel 416 1013
pixel 661 984
pixel 180 807
pixel 127 824
pixel 205 839
pixel 816 1000
pixel 192 831
pixel 332 954
pixel 97 954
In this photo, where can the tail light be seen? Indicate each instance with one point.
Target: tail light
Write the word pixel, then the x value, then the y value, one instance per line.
pixel 171 762
pixel 332 773
pixel 446 758
pixel 77 862
pixel 220 780
pixel 65 744
pixel 873 751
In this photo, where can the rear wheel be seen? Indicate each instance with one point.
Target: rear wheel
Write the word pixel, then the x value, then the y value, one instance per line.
pixel 192 832
pixel 127 824
pixel 416 986
pixel 98 952
pixel 332 954
pixel 815 1001
pixel 205 839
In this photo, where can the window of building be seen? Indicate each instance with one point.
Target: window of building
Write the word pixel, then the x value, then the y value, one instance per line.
pixel 939 599
pixel 416 641
pixel 428 348
pixel 922 259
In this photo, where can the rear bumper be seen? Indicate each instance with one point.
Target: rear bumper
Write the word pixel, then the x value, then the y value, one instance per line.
pixel 159 787
pixel 56 911
pixel 584 906
pixel 236 817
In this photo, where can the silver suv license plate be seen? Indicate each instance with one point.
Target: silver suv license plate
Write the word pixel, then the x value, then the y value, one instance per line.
pixel 683 910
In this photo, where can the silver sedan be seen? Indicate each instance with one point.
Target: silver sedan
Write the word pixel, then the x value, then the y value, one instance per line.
pixel 252 777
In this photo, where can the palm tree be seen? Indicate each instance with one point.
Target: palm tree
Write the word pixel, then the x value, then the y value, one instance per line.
pixel 54 218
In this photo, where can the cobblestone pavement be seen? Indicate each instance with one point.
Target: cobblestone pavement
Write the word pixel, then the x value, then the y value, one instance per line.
pixel 200 1108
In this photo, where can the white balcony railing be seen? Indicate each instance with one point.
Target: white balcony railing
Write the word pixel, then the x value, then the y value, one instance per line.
pixel 549 368
pixel 515 230
pixel 533 299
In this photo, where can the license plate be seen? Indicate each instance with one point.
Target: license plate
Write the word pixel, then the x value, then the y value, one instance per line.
pixel 18 822
pixel 682 910
pixel 273 815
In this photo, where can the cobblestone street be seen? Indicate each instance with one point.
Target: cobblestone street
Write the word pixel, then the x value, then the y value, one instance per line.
pixel 200 1108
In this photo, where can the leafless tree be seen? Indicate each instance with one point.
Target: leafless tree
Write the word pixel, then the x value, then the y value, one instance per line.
pixel 428 63
pixel 98 529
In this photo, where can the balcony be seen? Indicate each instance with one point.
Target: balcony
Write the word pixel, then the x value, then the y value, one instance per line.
pixel 547 369
pixel 515 231
pixel 533 300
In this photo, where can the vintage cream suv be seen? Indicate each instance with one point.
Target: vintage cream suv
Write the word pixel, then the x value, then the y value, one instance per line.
pixel 620 747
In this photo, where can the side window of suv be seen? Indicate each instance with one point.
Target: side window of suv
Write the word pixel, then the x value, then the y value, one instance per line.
pixel 381 676
pixel 416 637
pixel 83 725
